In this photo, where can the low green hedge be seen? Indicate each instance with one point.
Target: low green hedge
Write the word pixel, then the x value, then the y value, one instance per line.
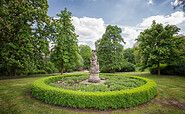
pixel 97 100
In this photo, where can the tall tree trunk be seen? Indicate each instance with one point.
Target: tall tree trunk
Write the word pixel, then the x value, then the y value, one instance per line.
pixel 12 71
pixel 158 68
pixel 62 68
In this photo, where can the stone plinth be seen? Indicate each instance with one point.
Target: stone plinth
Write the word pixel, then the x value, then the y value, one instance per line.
pixel 101 82
pixel 94 78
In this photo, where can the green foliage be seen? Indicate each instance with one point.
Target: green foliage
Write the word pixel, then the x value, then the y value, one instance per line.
pixel 41 72
pixel 35 71
pixel 174 69
pixel 79 63
pixel 86 53
pixel 126 67
pixel 50 68
pixel 154 69
pixel 177 68
pixel 23 38
pixel 129 55
pixel 64 52
pixel 109 49
pixel 98 100
pixel 137 57
pixel 157 45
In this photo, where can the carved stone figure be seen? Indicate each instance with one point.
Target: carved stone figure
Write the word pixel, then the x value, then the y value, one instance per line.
pixel 94 70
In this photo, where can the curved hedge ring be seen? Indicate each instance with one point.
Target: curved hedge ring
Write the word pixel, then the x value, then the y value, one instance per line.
pixel 97 100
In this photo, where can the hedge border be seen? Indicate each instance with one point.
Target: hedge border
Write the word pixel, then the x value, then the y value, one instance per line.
pixel 97 100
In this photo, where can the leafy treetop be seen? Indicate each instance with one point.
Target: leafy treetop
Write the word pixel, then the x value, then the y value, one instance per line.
pixel 65 49
pixel 157 45
pixel 110 49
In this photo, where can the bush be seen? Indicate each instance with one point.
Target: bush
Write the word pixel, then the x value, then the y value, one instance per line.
pixel 169 69
pixel 35 71
pixel 127 67
pixel 154 69
pixel 41 72
pixel 50 68
pixel 98 100
pixel 32 71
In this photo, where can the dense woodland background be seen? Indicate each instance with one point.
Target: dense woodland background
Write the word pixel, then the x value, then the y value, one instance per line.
pixel 26 31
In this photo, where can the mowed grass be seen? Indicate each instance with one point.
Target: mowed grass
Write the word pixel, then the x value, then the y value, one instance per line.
pixel 15 97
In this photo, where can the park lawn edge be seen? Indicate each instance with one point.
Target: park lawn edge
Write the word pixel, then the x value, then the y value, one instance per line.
pixel 96 100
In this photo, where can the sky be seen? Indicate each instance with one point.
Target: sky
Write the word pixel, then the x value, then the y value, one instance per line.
pixel 90 17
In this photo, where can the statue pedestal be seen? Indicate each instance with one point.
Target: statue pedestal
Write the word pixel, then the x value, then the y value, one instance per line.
pixel 94 78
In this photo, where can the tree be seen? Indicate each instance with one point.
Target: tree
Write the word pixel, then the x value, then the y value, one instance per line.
pixel 129 55
pixel 79 63
pixel 137 57
pixel 86 53
pixel 22 35
pixel 157 45
pixel 109 49
pixel 179 4
pixel 64 40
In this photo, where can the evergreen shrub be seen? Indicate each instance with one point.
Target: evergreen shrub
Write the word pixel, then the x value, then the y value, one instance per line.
pixel 98 100
pixel 127 67
pixel 50 68
pixel 41 72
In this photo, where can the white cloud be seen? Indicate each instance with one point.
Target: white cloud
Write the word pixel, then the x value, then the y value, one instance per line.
pixel 131 33
pixel 173 19
pixel 82 43
pixel 91 29
pixel 88 29
pixel 177 3
pixel 150 2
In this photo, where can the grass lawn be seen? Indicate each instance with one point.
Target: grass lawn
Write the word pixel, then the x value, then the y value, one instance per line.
pixel 15 97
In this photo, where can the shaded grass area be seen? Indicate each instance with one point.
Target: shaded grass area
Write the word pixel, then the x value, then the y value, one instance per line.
pixel 15 97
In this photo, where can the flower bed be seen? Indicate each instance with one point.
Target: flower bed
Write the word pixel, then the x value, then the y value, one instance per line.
pixel 98 100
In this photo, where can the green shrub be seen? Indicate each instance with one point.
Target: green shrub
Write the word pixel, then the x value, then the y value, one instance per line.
pixel 55 70
pixel 176 69
pixel 98 100
pixel 48 70
pixel 154 69
pixel 41 72
pixel 32 71
pixel 127 67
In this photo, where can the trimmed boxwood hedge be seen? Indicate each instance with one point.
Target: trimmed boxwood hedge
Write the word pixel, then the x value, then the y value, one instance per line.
pixel 98 100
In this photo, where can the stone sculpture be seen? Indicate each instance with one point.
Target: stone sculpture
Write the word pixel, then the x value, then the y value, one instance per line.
pixel 94 70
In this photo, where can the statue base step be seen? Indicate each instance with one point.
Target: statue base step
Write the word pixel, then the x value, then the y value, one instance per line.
pixel 94 78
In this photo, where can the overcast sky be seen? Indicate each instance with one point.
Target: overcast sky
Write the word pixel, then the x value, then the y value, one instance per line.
pixel 90 17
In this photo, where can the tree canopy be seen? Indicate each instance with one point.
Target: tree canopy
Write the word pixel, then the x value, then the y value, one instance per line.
pixel 157 45
pixel 22 34
pixel 129 55
pixel 110 50
pixel 86 53
pixel 65 50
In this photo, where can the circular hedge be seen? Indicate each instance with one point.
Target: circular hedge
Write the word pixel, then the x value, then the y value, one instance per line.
pixel 98 100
